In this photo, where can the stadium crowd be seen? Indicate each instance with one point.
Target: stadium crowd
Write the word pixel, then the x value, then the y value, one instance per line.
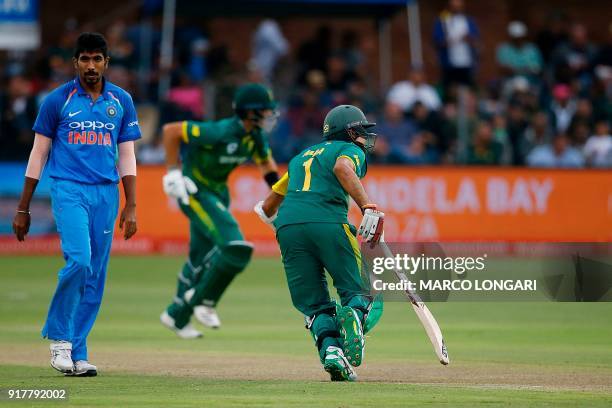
pixel 550 105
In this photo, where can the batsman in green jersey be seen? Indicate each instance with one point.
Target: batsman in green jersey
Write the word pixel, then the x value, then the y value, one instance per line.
pixel 217 249
pixel 308 208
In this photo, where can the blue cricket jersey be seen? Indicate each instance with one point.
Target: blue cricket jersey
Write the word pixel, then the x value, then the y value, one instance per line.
pixel 85 133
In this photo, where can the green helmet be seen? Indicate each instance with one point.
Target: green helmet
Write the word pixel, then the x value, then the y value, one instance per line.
pixel 254 97
pixel 347 122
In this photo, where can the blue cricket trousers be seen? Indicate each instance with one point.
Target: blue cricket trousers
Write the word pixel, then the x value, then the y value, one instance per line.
pixel 85 217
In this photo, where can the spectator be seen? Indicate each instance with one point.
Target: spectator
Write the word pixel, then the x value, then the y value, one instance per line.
pixel 197 60
pixel 145 38
pixel 519 57
pixel 452 126
pixel 562 108
pixel 484 150
pixel 406 93
pixel 59 56
pixel 574 59
pixel 491 102
pixel 218 63
pixel 538 133
pixel 602 90
pixel 314 53
pixel 552 35
pixel 582 122
pixel 359 95
pixel 519 92
pixel 517 123
pixel 121 51
pixel 333 70
pixel 381 152
pixel 557 154
pixel 305 116
pixel 188 96
pixel 51 84
pixel 269 45
pixel 579 135
pixel 394 128
pixel 350 51
pixel 500 135
pixel 426 121
pixel 120 76
pixel 598 148
pixel 317 86
pixel 601 97
pixel 17 115
pixel 603 60
pixel 456 36
pixel 415 152
pixel 338 76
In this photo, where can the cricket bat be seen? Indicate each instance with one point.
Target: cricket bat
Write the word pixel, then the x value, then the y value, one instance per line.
pixel 422 311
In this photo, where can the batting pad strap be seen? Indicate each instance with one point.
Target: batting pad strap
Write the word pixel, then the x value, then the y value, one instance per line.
pixel 234 256
pixel 372 313
pixel 325 334
pixel 309 320
pixel 184 279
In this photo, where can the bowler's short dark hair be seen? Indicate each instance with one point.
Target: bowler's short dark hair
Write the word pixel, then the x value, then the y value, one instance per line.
pixel 91 42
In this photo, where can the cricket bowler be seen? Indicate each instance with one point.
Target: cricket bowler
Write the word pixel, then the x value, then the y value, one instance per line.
pixel 217 249
pixel 308 208
pixel 86 129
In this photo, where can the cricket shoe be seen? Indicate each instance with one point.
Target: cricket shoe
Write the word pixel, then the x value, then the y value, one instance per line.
pixel 353 341
pixel 187 332
pixel 61 356
pixel 83 368
pixel 207 316
pixel 337 365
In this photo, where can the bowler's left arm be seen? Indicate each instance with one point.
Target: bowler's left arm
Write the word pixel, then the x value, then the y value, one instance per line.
pixel 130 131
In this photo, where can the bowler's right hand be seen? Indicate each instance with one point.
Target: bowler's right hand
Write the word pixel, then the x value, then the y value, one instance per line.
pixel 21 225
pixel 178 186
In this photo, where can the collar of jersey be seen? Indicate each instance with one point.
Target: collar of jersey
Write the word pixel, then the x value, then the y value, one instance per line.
pixel 238 122
pixel 82 91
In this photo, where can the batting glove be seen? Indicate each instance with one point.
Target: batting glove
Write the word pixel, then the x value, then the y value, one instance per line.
pixel 178 186
pixel 371 227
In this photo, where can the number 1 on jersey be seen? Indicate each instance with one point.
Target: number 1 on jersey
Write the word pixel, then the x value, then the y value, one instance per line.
pixel 307 175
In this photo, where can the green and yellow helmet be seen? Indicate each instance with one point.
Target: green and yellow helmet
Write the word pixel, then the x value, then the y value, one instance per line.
pixel 253 97
pixel 348 122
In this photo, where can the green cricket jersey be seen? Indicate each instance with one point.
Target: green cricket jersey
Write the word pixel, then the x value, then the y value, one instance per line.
pixel 312 191
pixel 213 149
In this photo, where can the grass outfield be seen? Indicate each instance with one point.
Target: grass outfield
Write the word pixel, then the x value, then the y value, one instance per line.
pixel 502 354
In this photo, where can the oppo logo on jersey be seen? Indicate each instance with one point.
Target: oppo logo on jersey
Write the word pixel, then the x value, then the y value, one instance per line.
pixel 90 137
pixel 91 124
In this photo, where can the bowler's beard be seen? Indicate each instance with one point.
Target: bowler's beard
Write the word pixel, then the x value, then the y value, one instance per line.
pixel 92 79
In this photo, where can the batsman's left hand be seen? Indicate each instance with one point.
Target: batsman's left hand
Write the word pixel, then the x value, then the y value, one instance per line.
pixel 178 186
pixel 127 222
pixel 371 227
